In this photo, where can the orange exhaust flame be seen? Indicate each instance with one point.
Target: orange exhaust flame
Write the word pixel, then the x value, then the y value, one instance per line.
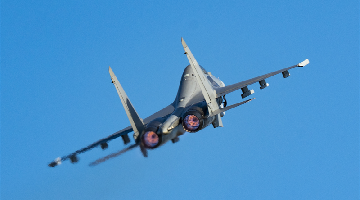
pixel 150 139
pixel 191 122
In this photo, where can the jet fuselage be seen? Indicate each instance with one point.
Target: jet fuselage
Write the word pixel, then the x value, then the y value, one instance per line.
pixel 189 100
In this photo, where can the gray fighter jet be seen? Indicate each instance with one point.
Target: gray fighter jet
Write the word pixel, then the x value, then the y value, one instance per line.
pixel 200 101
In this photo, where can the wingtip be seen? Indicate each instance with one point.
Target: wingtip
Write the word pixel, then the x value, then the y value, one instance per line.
pixel 183 42
pixel 56 162
pixel 304 63
pixel 111 72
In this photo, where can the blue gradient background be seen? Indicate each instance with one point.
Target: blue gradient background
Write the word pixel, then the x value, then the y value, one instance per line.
pixel 299 139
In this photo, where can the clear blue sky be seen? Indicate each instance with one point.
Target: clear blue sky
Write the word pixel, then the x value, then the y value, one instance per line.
pixel 299 139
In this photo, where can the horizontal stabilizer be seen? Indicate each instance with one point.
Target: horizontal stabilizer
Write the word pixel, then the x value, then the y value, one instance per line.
pixel 230 107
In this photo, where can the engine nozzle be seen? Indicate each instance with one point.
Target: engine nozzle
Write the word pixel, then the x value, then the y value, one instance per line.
pixel 191 123
pixel 193 120
pixel 150 139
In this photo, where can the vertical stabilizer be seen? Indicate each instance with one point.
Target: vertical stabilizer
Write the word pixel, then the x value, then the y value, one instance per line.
pixel 136 122
pixel 206 89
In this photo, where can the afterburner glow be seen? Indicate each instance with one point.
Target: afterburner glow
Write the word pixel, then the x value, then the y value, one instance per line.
pixel 191 123
pixel 150 139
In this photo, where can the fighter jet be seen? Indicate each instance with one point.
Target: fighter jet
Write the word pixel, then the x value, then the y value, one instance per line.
pixel 200 101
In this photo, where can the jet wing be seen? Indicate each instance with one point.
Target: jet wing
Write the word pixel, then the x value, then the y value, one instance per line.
pixel 230 88
pixel 163 112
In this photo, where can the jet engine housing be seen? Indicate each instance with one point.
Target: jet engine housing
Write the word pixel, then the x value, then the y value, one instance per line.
pixel 194 119
pixel 150 137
